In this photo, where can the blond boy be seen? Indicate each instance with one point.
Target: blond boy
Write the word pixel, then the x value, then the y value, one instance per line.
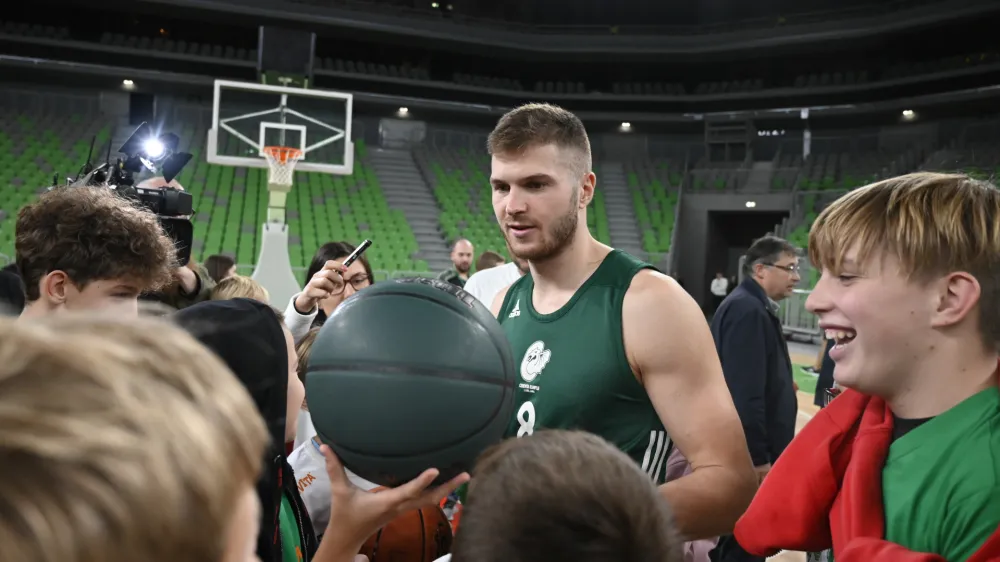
pixel 110 432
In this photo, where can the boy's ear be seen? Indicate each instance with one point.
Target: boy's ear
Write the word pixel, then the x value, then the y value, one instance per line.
pixel 958 294
pixel 53 287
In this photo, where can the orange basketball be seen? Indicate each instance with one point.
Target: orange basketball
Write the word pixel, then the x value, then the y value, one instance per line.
pixel 421 535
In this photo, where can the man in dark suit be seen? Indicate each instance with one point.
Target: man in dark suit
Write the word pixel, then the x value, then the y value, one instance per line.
pixel 755 361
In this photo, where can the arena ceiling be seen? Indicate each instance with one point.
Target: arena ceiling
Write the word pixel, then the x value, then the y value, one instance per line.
pixel 663 13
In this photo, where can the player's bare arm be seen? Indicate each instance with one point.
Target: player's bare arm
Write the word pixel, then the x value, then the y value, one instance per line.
pixel 670 348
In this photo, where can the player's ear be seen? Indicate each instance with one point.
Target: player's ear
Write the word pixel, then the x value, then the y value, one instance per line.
pixel 587 186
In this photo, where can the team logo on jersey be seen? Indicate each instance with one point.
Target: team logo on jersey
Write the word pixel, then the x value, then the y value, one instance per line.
pixel 535 359
pixel 517 310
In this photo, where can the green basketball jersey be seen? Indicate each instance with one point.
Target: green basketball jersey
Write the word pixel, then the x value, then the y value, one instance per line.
pixel 573 370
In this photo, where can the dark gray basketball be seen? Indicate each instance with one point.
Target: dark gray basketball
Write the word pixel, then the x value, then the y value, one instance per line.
pixel 407 375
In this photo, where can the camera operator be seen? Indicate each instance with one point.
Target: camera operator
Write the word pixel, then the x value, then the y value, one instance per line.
pixel 190 283
pixel 84 247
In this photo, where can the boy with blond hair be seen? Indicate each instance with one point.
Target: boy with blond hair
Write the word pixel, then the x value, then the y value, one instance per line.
pixel 240 287
pixel 94 464
pixel 901 466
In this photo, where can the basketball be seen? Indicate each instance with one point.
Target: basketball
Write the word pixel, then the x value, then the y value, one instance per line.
pixel 421 535
pixel 407 375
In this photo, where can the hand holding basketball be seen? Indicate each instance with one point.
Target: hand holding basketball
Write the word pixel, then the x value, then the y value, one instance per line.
pixel 323 284
pixel 356 514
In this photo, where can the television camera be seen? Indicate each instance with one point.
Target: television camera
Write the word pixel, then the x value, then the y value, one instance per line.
pixel 145 150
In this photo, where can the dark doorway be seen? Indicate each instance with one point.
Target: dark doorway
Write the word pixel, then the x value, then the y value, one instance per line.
pixel 730 234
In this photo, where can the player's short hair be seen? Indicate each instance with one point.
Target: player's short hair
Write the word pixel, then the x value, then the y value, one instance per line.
pixel 91 234
pixel 933 224
pixel 766 249
pixel 489 259
pixel 120 440
pixel 239 286
pixel 524 506
pixel 539 124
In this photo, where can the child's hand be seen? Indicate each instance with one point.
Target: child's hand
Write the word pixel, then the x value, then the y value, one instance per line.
pixel 356 514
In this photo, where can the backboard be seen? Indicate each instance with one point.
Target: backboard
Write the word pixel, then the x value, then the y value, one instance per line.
pixel 247 116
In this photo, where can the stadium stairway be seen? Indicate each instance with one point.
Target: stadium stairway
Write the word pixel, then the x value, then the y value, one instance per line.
pixel 759 178
pixel 406 191
pixel 622 222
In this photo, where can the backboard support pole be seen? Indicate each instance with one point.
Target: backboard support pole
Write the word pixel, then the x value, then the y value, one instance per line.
pixel 274 265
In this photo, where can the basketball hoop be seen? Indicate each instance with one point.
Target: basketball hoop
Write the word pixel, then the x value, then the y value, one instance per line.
pixel 281 161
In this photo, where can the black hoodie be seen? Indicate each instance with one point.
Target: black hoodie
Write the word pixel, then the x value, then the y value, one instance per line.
pixel 248 336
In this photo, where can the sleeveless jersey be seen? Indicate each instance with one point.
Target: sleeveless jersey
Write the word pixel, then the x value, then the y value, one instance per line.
pixel 574 373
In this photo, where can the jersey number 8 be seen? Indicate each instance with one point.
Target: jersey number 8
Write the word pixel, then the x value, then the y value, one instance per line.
pixel 526 419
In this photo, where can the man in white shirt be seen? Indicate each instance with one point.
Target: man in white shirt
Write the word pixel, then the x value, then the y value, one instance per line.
pixel 485 284
pixel 718 288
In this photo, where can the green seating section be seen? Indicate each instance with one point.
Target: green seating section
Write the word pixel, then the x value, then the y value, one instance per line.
pixel 597 217
pixel 230 203
pixel 655 202
pixel 843 172
pixel 33 148
pixel 983 173
pixel 461 186
pixel 231 206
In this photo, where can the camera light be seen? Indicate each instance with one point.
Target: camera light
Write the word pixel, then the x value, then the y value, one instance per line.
pixel 153 148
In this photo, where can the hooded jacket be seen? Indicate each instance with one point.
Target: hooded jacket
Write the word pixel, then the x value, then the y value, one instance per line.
pixel 248 336
pixel 826 491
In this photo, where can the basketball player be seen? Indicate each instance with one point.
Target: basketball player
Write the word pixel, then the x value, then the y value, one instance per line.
pixel 607 344
pixel 910 293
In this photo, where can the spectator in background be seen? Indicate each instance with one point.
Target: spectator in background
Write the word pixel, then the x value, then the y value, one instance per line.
pixel 329 283
pixel 220 266
pixel 485 284
pixel 82 247
pixel 461 260
pixel 755 361
pixel 719 288
pixel 240 287
pixel 824 382
pixel 489 260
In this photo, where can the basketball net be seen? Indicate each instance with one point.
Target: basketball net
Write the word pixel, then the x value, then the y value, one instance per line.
pixel 281 163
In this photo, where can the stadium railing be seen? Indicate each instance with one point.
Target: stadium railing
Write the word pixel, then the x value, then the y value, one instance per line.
pixel 673 256
pixel 796 320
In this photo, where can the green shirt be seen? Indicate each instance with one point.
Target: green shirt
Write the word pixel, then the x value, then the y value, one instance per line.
pixel 574 373
pixel 291 540
pixel 941 481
